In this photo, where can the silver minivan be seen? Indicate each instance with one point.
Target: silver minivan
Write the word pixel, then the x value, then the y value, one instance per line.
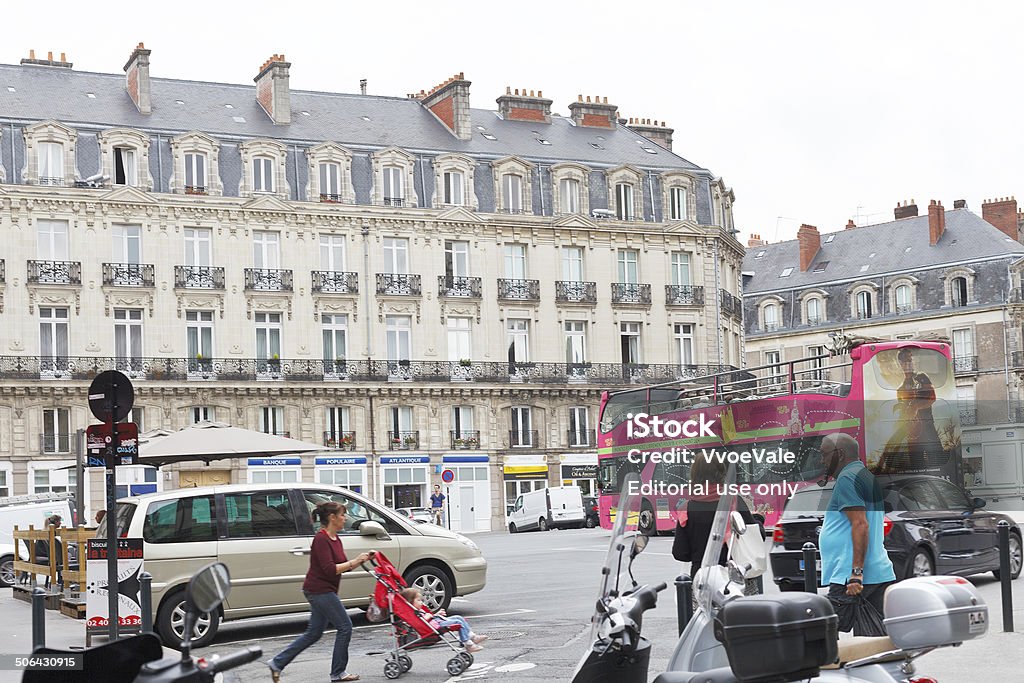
pixel 262 532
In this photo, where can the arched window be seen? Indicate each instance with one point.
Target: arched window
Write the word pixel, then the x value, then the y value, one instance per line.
pixel 815 312
pixel 958 291
pixel 864 308
pixel 570 185
pixel 903 299
pixel 771 317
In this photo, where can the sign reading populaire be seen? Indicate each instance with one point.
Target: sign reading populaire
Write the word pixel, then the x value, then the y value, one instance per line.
pixel 126 583
pixel 342 460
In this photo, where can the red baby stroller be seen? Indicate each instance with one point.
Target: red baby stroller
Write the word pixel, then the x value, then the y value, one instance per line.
pixel 411 630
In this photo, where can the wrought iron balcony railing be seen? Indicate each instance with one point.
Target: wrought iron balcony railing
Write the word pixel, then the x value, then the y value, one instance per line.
pixel 343 441
pixel 198 277
pixel 581 437
pixel 268 280
pixel 330 198
pixel 394 201
pixel 965 364
pixel 55 272
pixel 814 320
pixel 684 295
pixel 459 287
pixel 129 274
pixel 54 443
pixel 902 309
pixel 570 291
pixel 394 284
pixel 335 282
pixel 196 189
pixel 730 304
pixel 523 438
pixel 468 440
pixel 631 293
pixel 403 441
pixel 57 181
pixel 519 290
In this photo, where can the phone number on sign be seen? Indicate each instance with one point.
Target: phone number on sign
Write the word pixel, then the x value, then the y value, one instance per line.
pixel 65 662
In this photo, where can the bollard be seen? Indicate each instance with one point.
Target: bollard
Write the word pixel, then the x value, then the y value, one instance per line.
pixel 38 618
pixel 1004 575
pixel 684 600
pixel 146 601
pixel 810 568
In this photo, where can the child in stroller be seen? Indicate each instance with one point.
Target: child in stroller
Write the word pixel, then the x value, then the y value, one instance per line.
pixel 469 640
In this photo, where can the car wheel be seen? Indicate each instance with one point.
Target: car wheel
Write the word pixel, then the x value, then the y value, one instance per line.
pixel 1016 558
pixel 590 523
pixel 646 525
pixel 7 576
pixel 542 524
pixel 921 564
pixel 511 528
pixel 170 623
pixel 434 584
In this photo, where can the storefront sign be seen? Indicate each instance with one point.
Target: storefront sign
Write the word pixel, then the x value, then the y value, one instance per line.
pixel 129 566
pixel 274 462
pixel 405 460
pixel 352 460
pixel 579 471
pixel 465 458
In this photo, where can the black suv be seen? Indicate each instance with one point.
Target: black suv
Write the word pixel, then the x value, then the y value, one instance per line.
pixel 593 516
pixel 931 527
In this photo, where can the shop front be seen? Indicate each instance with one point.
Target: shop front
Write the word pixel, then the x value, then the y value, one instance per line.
pixel 580 469
pixel 521 474
pixel 341 470
pixel 468 494
pixel 403 480
pixel 273 470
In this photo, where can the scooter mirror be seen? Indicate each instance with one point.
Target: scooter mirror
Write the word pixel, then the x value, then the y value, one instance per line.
pixel 639 543
pixel 739 527
pixel 208 588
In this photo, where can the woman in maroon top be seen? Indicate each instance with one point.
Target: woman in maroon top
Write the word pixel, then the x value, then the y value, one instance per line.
pixel 327 562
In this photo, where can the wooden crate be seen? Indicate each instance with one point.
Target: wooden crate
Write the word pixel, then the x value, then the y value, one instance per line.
pixel 73 608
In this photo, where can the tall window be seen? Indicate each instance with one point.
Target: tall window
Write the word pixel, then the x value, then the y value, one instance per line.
pixel 680 267
pixel 262 174
pixel 50 156
pixel 56 430
pixel 272 420
pixel 814 312
pixel 332 253
pixel 335 337
pixel 569 195
pixel 337 423
pixel 330 181
pixel 902 295
pixel 198 249
pixel 393 186
pixel 522 426
pixel 53 337
pixel 396 255
pixel 399 337
pixel 517 332
pixel 197 414
pixel 817 366
pixel 459 339
pixel 579 426
pixel 52 240
pixel 128 336
pixel 515 261
pixel 629 266
pixel 863 304
pixel 774 359
pixel 512 193
pixel 453 192
pixel 963 347
pixel 771 317
pixel 575 342
pixel 401 419
pixel 629 342
pixel 195 173
pixel 199 334
pixel 683 340
pixel 572 264
pixel 268 336
pixel 959 291
pixel 624 202
pixel 462 421
pixel 266 249
pixel 127 243
pixel 125 169
pixel 677 204
pixel 456 258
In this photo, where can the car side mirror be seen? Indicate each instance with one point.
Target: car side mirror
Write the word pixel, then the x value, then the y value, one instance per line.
pixel 978 503
pixel 371 528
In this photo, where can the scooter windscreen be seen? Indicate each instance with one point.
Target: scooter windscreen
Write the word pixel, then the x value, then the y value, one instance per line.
pixel 720 484
pixel 626 517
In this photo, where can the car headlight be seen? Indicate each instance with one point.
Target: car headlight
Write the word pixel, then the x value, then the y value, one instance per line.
pixel 467 542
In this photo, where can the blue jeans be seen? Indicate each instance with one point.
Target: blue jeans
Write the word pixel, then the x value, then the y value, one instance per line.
pixel 325 608
pixel 464 629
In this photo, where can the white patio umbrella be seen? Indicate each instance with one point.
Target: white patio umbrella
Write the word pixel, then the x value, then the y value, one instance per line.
pixel 208 441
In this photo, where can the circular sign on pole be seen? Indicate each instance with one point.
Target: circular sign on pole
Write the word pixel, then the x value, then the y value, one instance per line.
pixel 448 476
pixel 102 396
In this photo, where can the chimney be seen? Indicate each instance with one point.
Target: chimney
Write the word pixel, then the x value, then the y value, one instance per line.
pixel 906 210
pixel 272 90
pixel 596 114
pixel 755 241
pixel 959 203
pixel 653 131
pixel 850 225
pixel 810 243
pixel 449 102
pixel 936 222
pixel 1001 213
pixel 524 107
pixel 49 61
pixel 136 73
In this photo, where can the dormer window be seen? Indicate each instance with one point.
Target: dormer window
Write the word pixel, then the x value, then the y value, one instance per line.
pixel 195 157
pixel 678 204
pixel 330 181
pixel 50 162
pixel 958 291
pixel 49 154
pixel 125 155
pixel 569 195
pixel 771 317
pixel 453 181
pixel 624 202
pixel 512 193
pixel 125 168
pixel 393 178
pixel 864 309
pixel 815 311
pixel 453 188
pixel 329 174
pixel 262 174
pixel 195 173
pixel 394 188
pixel 903 299
pixel 571 186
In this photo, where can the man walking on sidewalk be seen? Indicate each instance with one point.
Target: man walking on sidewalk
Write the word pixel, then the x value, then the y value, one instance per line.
pixel 437 505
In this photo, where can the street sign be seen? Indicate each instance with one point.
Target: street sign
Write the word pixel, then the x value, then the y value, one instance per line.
pixel 126 450
pixel 102 392
pixel 448 476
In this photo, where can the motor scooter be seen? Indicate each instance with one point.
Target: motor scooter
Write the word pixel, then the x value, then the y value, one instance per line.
pixel 138 659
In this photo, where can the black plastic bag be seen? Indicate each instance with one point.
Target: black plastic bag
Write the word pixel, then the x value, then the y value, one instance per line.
pixel 858 615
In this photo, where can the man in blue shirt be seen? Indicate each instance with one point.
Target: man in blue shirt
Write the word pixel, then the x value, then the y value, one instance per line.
pixel 437 505
pixel 853 557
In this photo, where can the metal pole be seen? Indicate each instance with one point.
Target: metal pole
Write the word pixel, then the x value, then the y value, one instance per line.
pixel 684 601
pixel 79 484
pixel 1004 575
pixel 367 313
pixel 112 514
pixel 38 618
pixel 146 601
pixel 810 568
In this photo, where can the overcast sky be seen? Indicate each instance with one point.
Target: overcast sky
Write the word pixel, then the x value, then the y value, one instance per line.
pixel 813 112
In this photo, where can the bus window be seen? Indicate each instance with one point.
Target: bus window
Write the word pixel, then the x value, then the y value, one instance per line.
pixel 909 368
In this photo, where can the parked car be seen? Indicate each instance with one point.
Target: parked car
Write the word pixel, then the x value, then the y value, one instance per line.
pixel 554 507
pixel 593 514
pixel 931 527
pixel 418 515
pixel 262 532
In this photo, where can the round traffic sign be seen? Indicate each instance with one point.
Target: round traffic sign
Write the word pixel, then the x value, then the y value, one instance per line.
pixel 108 388
pixel 448 476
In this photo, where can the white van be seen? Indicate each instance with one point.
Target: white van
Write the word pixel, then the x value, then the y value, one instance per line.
pixel 25 511
pixel 556 507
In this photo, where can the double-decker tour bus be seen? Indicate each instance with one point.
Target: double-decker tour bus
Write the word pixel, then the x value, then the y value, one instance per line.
pixel 896 398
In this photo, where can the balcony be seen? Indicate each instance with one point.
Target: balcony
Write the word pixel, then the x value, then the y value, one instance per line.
pixel 394 284
pixel 403 441
pixel 965 364
pixel 268 280
pixel 903 309
pixel 335 282
pixel 55 272
pixel 518 290
pixel 329 198
pixel 128 274
pixel 466 440
pixel 522 438
pixel 54 443
pixel 580 438
pixel 269 369
pixel 814 320
pixel 53 181
pixel 394 201
pixel 198 277
pixel 684 295
pixel 572 292
pixel 459 287
pixel 731 306
pixel 342 441
pixel 196 189
pixel 631 293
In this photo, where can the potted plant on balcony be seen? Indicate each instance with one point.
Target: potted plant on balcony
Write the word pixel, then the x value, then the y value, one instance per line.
pixel 348 441
pixel 465 362
pixel 396 443
pixel 410 441
pixel 471 442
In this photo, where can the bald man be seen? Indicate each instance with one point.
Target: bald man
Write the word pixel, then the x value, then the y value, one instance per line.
pixel 853 557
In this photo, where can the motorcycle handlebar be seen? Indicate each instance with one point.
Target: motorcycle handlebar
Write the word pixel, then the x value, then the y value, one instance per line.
pixel 235 659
